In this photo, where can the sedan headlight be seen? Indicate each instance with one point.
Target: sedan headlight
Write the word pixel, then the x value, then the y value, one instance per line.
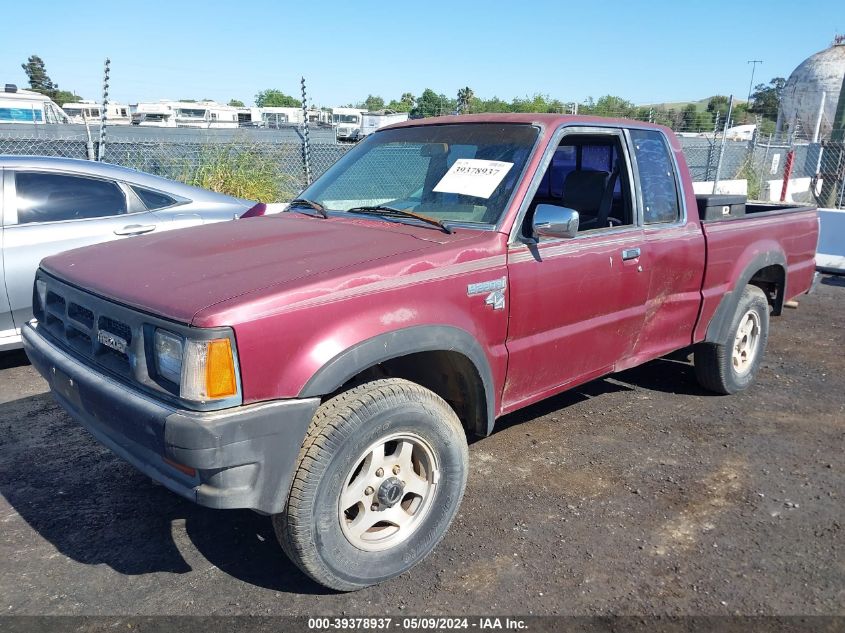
pixel 204 370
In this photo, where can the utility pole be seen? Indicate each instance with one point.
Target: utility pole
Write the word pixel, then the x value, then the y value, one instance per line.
pixel 753 63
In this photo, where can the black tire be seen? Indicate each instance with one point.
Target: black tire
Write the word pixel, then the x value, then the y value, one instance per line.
pixel 714 362
pixel 309 529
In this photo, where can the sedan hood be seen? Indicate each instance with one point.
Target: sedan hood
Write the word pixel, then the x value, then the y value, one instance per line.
pixel 176 274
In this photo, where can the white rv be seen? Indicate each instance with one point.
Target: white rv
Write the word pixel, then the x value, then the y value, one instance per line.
pixel 347 123
pixel 375 120
pixel 79 112
pixel 205 114
pixel 197 114
pixel 158 114
pixel 28 107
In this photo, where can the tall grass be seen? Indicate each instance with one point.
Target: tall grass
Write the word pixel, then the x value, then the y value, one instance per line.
pixel 241 172
pixel 750 171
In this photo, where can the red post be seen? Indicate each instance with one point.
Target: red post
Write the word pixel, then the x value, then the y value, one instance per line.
pixel 787 172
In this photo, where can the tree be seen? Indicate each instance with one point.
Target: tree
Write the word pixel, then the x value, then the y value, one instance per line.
pixel 65 96
pixel 610 106
pixel 429 104
pixel 373 103
pixel 493 105
pixel 765 99
pixel 405 104
pixel 276 98
pixel 39 81
pixel 465 99
pixel 236 103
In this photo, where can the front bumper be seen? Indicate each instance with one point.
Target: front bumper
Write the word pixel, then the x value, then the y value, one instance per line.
pixel 242 457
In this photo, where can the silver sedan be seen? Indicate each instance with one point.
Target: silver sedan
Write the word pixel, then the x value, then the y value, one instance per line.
pixel 49 205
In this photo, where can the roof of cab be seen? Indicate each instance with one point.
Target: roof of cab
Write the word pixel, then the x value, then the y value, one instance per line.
pixel 531 118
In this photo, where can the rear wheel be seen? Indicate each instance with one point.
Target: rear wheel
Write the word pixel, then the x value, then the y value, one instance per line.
pixel 381 475
pixel 731 365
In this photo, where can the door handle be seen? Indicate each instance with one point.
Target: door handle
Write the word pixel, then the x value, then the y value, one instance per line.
pixel 135 229
pixel 630 253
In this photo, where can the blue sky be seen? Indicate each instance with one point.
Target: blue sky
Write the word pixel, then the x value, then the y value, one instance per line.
pixel 646 52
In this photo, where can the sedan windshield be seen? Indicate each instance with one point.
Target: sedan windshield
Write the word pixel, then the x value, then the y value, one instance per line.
pixel 462 173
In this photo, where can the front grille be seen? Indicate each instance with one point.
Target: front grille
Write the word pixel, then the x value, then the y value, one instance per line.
pixel 80 314
pixel 114 338
pixel 117 328
pixel 76 320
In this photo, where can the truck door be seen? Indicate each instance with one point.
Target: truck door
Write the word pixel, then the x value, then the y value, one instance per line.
pixel 577 304
pixel 53 212
pixel 675 247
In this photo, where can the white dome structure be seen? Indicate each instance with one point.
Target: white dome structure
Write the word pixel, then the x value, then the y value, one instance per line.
pixel 819 74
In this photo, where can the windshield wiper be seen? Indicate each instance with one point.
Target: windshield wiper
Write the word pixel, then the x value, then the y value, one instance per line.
pixel 305 202
pixel 391 212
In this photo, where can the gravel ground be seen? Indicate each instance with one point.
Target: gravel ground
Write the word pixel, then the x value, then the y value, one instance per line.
pixel 635 494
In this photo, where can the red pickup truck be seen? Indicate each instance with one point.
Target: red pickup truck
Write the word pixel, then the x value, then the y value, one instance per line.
pixel 324 365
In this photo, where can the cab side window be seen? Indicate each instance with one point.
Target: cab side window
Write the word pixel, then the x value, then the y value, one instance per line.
pixel 657 177
pixel 43 197
pixel 588 173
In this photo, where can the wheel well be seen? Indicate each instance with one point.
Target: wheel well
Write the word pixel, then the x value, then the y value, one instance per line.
pixel 772 281
pixel 450 375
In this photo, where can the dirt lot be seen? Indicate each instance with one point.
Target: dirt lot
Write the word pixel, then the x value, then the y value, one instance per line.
pixel 638 493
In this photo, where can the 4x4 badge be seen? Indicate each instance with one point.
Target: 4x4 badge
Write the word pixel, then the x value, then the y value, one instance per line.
pixel 494 289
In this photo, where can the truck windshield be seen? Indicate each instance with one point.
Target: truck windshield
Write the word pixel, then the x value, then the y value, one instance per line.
pixel 455 173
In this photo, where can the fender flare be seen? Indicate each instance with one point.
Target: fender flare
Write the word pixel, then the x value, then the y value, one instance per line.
pixel 420 338
pixel 718 327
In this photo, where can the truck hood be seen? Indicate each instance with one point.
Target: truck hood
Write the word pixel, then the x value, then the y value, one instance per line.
pixel 175 274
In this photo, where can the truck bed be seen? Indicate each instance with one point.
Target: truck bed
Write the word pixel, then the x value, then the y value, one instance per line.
pixel 720 207
pixel 790 234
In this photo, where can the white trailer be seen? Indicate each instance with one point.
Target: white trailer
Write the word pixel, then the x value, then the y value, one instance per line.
pixel 80 111
pixel 372 121
pixel 192 114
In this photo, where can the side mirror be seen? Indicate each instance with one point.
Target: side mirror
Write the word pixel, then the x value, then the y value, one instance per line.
pixel 553 221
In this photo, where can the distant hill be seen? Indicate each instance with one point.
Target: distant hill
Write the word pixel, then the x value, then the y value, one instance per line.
pixel 700 105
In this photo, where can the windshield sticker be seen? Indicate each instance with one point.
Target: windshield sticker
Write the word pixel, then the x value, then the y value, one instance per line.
pixel 474 177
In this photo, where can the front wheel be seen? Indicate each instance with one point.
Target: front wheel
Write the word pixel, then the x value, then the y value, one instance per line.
pixel 731 365
pixel 380 477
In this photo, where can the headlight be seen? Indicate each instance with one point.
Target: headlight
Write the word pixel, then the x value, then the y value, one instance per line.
pixel 204 370
pixel 39 298
pixel 168 356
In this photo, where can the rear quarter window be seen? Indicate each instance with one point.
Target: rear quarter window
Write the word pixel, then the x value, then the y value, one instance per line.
pixel 153 199
pixel 657 177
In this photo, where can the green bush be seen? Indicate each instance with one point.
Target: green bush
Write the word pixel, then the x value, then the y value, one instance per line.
pixel 750 171
pixel 239 172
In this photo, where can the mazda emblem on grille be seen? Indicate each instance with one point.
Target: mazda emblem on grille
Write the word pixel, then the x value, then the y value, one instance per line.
pixel 110 340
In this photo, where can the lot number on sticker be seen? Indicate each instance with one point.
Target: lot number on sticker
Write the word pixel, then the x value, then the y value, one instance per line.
pixel 473 177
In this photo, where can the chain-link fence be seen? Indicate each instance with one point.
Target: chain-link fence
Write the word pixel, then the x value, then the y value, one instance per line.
pixel 198 157
pixel 275 159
